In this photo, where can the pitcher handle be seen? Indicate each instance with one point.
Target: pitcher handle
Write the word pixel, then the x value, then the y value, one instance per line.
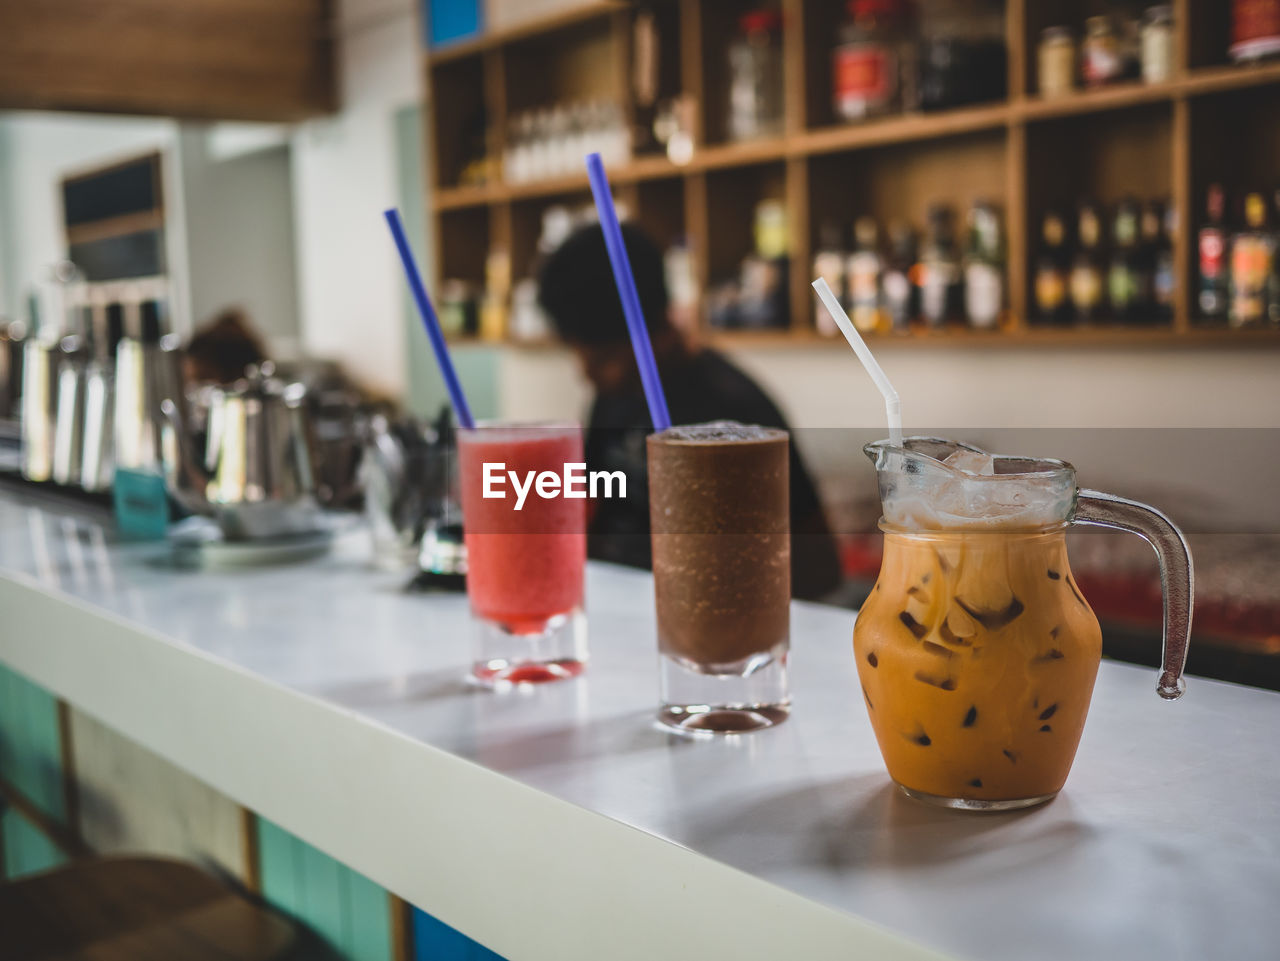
pixel 1176 573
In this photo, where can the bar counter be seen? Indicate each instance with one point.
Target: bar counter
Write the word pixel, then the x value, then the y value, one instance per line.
pixel 560 823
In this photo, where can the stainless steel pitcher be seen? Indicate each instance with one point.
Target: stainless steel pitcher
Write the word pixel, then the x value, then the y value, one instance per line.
pixel 39 399
pixel 256 476
pixel 68 424
pixel 146 375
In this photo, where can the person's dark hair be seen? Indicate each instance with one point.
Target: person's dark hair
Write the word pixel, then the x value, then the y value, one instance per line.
pixel 222 349
pixel 576 286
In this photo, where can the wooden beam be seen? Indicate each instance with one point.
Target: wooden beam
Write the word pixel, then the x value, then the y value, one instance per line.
pixel 216 59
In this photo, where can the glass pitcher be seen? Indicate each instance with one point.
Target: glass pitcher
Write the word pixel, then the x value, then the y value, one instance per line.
pixel 976 650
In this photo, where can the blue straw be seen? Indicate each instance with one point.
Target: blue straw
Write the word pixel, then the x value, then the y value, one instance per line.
pixel 626 285
pixel 429 320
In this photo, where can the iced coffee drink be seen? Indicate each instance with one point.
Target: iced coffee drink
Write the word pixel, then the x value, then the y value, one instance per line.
pixel 976 650
pixel 719 512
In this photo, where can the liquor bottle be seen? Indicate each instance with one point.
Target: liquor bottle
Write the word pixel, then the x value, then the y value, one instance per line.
pixel 1253 253
pixel 1162 281
pixel 1123 278
pixel 865 267
pixel 1273 299
pixel 1086 272
pixel 901 294
pixel 1151 230
pixel 939 269
pixel 1051 272
pixel 983 271
pixel 1212 247
pixel 829 264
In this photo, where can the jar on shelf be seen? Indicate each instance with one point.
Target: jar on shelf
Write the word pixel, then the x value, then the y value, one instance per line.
pixel 1255 30
pixel 1101 58
pixel 1056 62
pixel 962 54
pixel 1157 44
pixel 755 76
pixel 873 68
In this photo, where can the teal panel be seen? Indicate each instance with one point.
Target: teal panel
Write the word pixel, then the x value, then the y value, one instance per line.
pixel 345 908
pixel 278 867
pixel 323 896
pixel 8 724
pixel 26 850
pixel 369 920
pixel 30 743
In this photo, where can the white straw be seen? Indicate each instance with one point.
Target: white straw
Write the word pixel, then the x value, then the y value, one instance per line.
pixel 892 406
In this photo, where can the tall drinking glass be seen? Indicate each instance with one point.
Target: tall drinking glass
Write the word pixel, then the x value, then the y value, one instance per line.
pixel 720 521
pixel 525 560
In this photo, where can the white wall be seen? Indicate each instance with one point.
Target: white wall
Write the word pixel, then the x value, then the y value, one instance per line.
pixel 240 239
pixel 344 176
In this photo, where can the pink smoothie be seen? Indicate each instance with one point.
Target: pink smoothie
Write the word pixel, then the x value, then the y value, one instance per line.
pixel 523 567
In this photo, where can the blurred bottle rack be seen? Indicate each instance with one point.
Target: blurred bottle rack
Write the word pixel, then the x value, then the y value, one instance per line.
pixel 1209 121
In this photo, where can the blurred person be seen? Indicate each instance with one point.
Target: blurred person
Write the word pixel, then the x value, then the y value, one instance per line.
pixel 576 289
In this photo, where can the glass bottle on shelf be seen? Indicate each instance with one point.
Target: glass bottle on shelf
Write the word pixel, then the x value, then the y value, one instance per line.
pixel 1101 59
pixel 1162 279
pixel 1255 30
pixel 865 267
pixel 939 269
pixel 1056 62
pixel 1157 44
pixel 755 76
pixel 1211 246
pixel 764 275
pixel 1253 252
pixel 1273 295
pixel 1123 277
pixel 1051 272
pixel 983 271
pixel 873 68
pixel 901 294
pixel 1150 229
pixel 1086 272
pixel 829 264
pixel 962 58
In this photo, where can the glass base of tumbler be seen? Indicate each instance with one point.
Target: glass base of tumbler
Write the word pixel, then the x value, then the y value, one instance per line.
pixel 502 657
pixel 752 696
pixel 975 804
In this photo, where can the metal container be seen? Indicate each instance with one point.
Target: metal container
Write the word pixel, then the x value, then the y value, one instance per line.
pixel 146 375
pixel 39 397
pixel 256 477
pixel 68 423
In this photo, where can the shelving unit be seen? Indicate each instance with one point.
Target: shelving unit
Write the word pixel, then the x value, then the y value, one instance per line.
pixel 1210 121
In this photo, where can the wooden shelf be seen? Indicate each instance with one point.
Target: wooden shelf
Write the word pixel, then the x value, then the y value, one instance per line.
pixel 1014 152
pixel 1015 337
pixel 955 337
pixel 908 128
pixel 1202 82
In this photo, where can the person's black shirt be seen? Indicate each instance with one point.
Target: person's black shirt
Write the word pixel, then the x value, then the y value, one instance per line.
pixel 699 387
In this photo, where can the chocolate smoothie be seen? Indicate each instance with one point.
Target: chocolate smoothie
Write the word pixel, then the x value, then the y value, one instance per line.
pixel 718 506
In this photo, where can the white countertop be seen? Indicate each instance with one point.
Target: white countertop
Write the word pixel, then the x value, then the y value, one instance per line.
pixel 559 823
